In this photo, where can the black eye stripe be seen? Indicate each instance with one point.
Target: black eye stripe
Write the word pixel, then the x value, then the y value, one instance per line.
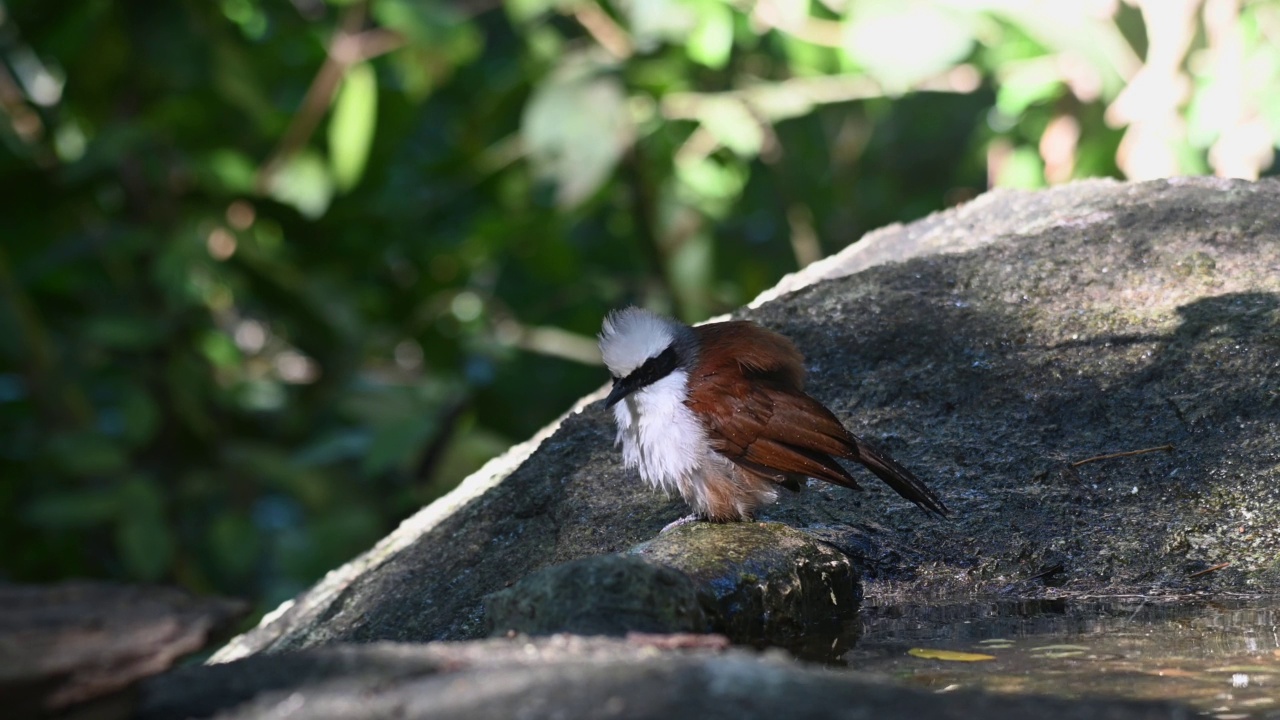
pixel 653 370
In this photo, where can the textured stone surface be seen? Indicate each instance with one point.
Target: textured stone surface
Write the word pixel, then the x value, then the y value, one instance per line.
pixel 756 583
pixel 599 595
pixel 568 677
pixel 69 644
pixel 1021 332
pixel 765 583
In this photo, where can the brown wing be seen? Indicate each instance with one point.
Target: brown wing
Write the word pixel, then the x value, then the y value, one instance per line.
pixel 750 397
pixel 745 347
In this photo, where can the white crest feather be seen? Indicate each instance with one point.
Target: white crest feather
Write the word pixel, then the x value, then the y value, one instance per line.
pixel 632 335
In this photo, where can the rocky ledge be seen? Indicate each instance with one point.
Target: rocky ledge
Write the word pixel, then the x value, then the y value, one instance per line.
pixel 1087 375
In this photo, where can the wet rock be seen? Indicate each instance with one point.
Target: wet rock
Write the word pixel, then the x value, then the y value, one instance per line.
pixel 571 677
pixel 756 583
pixel 764 583
pixel 600 595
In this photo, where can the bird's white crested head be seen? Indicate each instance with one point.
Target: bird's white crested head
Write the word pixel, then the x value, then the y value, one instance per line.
pixel 631 336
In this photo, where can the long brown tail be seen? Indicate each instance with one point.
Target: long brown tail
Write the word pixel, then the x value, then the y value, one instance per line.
pixel 897 477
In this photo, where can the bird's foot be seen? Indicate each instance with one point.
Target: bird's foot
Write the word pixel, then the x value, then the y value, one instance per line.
pixel 682 521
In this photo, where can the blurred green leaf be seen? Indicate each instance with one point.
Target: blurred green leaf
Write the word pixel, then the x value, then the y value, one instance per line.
pixel 729 120
pixel 220 349
pixel 711 180
pixel 143 537
pixel 655 21
pixel 140 413
pixel 260 395
pixel 83 454
pixel 1026 83
pixel 235 543
pixel 305 183
pixel 346 444
pixel 270 467
pixel 229 170
pixel 523 11
pixel 396 444
pixel 1024 169
pixel 351 129
pixel 124 332
pixel 70 509
pixel 576 127
pixel 711 41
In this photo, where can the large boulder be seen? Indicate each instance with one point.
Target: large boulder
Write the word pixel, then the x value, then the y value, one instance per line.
pixel 993 349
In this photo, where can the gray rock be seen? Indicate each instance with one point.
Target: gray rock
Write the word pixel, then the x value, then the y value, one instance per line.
pixel 570 677
pixel 77 647
pixel 1019 334
pixel 598 595
pixel 766 583
pixel 756 583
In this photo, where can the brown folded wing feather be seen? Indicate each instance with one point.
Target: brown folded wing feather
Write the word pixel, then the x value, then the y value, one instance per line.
pixel 751 398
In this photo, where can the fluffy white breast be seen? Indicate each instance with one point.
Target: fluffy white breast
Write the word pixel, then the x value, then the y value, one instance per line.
pixel 662 437
pixel 632 335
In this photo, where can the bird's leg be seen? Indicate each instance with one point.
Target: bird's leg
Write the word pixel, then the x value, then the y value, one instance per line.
pixel 682 521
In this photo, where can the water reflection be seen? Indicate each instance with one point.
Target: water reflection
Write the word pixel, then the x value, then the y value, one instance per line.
pixel 1221 658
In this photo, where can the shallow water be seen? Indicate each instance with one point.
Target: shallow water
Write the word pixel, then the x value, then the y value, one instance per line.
pixel 1223 659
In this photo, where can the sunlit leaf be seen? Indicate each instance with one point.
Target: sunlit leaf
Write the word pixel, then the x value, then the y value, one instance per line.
pixel 351 129
pixel 1063 29
pixel 654 21
pixel 220 349
pixel 576 127
pixel 1026 83
pixel 733 125
pixel 948 655
pixel 522 11
pixel 710 180
pixel 903 42
pixel 303 182
pixel 230 169
pixel 711 41
pixel 1023 169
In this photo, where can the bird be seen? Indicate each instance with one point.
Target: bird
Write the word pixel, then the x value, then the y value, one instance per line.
pixel 718 414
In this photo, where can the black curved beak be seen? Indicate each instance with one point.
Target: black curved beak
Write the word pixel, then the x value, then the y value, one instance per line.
pixel 621 389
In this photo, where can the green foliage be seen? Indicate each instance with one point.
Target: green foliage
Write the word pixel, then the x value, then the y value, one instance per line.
pixel 275 275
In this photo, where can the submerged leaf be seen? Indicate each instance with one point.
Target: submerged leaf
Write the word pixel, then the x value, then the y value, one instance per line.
pixel 948 655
